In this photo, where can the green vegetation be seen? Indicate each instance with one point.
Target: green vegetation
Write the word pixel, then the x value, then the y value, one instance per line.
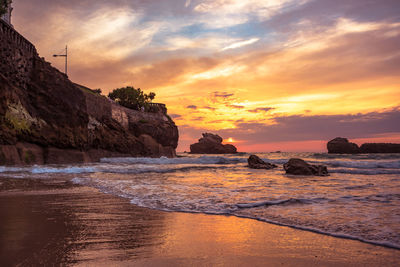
pixel 20 125
pixel 132 98
pixel 88 90
pixel 4 5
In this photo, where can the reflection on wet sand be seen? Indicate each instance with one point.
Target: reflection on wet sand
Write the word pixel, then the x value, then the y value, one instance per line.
pixel 78 225
pixel 57 223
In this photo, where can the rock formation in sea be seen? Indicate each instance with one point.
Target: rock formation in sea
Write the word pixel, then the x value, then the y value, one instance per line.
pixel 379 148
pixel 256 163
pixel 212 144
pixel 300 167
pixel 45 118
pixel 341 145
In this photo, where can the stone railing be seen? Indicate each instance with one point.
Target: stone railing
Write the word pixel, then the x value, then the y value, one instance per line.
pixel 17 38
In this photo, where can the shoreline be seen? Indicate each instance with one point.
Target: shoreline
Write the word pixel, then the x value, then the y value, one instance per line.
pixel 57 222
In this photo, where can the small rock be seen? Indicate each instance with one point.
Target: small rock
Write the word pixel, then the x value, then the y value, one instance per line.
pixel 300 167
pixel 256 163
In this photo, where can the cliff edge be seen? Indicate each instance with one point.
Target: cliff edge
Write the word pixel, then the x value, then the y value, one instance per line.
pixel 46 119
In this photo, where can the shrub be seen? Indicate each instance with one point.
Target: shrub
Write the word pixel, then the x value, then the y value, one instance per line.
pixel 97 91
pixel 131 98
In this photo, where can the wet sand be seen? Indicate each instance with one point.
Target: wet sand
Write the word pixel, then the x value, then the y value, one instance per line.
pixel 46 222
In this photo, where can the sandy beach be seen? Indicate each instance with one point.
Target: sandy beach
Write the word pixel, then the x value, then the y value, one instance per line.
pixel 53 222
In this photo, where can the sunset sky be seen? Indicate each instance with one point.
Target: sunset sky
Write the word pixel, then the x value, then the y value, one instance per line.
pixel 271 75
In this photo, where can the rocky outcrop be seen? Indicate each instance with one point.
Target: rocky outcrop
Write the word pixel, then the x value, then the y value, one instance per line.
pixel 212 144
pixel 300 167
pixel 379 148
pixel 45 118
pixel 256 163
pixel 341 145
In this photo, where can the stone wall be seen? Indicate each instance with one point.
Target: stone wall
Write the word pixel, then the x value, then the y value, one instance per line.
pixel 17 56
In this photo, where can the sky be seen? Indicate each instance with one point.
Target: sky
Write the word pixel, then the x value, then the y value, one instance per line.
pixel 267 75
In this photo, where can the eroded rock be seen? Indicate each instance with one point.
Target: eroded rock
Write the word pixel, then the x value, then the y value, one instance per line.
pixel 380 148
pixel 300 167
pixel 212 144
pixel 341 145
pixel 256 163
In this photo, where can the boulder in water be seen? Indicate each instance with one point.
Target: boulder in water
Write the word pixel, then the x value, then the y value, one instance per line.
pixel 256 163
pixel 300 167
pixel 341 145
pixel 212 144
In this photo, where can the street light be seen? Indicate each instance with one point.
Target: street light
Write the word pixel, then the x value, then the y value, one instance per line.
pixel 66 59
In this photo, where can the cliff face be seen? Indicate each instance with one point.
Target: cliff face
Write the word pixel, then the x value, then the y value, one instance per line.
pixel 45 118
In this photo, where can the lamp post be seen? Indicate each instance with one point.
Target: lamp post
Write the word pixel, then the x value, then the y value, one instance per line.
pixel 66 59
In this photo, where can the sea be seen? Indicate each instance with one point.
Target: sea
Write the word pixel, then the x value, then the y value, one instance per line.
pixel 359 200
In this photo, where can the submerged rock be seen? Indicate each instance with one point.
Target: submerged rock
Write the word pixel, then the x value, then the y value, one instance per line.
pixel 341 145
pixel 256 163
pixel 300 167
pixel 212 144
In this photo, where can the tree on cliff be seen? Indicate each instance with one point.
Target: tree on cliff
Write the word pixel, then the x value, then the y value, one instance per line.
pixel 4 5
pixel 132 98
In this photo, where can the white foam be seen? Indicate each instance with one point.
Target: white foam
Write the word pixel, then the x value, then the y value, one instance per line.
pixel 365 164
pixel 365 171
pixel 169 161
pixel 262 203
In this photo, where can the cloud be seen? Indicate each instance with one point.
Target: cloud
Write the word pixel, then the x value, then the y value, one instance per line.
pixel 198 119
pixel 256 110
pixel 241 44
pixel 235 106
pixel 192 107
pixel 321 127
pixel 175 116
pixel 222 94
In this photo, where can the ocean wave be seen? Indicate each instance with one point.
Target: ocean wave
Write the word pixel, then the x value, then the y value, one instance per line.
pixel 356 156
pixel 279 202
pixel 182 160
pixel 360 164
pixel 354 164
pixel 364 171
pixel 120 169
pixel 383 243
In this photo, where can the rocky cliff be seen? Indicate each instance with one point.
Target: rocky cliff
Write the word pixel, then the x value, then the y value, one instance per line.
pixel 45 118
